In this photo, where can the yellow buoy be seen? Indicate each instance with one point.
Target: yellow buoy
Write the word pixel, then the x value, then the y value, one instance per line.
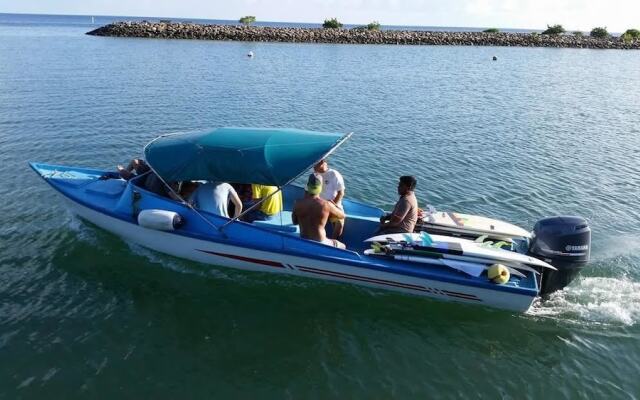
pixel 498 273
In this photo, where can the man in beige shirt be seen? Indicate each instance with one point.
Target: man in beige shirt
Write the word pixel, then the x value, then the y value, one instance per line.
pixel 405 214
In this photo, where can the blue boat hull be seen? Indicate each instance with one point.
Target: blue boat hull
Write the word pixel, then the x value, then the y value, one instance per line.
pixel 114 203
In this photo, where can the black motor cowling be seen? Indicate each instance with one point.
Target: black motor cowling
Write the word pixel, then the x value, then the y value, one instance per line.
pixel 565 243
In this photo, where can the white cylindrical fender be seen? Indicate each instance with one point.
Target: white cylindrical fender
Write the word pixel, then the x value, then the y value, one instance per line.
pixel 161 220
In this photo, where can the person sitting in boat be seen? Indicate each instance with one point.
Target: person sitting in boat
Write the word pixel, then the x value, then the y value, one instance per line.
pixel 244 193
pixel 405 213
pixel 188 188
pixel 154 184
pixel 135 168
pixel 215 197
pixel 270 199
pixel 312 213
pixel 333 191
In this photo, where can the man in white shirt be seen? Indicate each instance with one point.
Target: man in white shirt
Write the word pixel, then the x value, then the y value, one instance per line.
pixel 214 197
pixel 333 191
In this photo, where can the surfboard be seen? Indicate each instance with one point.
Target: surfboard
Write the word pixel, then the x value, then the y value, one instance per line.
pixel 440 222
pixel 459 248
pixel 471 268
pixel 403 250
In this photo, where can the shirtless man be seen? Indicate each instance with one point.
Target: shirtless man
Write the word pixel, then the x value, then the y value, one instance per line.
pixel 312 213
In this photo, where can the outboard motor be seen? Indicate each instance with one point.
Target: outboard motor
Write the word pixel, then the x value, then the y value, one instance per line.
pixel 565 243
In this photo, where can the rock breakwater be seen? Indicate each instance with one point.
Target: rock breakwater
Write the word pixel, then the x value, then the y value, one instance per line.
pixel 168 30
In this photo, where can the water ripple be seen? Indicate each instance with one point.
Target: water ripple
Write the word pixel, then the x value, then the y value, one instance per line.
pixel 541 132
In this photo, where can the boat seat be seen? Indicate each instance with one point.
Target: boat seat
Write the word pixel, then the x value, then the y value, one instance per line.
pixel 280 222
pixel 108 188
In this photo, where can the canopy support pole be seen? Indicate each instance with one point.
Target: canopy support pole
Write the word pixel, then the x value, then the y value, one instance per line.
pixel 253 206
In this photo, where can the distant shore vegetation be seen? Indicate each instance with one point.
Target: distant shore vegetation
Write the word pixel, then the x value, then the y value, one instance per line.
pixel 372 26
pixel 247 20
pixel 332 23
pixel 599 32
pixel 630 35
pixel 634 33
pixel 554 30
pixel 491 30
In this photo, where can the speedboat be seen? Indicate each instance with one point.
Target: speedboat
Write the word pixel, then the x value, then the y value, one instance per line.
pixel 434 265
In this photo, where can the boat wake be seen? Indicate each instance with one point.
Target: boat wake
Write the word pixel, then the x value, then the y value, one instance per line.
pixel 202 270
pixel 594 299
pixel 174 264
pixel 620 246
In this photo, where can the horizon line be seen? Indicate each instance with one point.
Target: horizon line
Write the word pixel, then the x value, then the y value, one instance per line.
pixel 285 22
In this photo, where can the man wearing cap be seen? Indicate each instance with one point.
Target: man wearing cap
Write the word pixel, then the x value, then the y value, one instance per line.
pixel 312 213
pixel 333 191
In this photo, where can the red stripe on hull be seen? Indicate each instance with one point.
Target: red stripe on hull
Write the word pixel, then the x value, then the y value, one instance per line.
pixel 389 283
pixel 466 297
pixel 462 295
pixel 247 259
pixel 362 278
pixel 347 276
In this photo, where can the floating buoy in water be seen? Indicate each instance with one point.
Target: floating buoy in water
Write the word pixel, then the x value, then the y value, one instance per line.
pixel 250 54
pixel 498 273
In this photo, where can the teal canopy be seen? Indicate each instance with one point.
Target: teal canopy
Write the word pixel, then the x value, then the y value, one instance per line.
pixel 242 155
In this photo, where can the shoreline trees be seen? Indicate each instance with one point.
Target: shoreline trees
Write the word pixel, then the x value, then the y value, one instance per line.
pixel 332 23
pixel 554 30
pixel 599 32
pixel 247 20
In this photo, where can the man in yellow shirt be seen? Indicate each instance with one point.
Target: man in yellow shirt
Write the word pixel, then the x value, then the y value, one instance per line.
pixel 269 207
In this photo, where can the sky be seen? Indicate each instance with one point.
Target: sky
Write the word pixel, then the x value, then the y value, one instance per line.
pixel 616 15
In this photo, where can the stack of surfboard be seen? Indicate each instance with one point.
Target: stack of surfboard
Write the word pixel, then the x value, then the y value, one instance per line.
pixel 470 257
pixel 470 226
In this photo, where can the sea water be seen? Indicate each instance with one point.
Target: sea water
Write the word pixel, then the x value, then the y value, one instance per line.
pixel 540 132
